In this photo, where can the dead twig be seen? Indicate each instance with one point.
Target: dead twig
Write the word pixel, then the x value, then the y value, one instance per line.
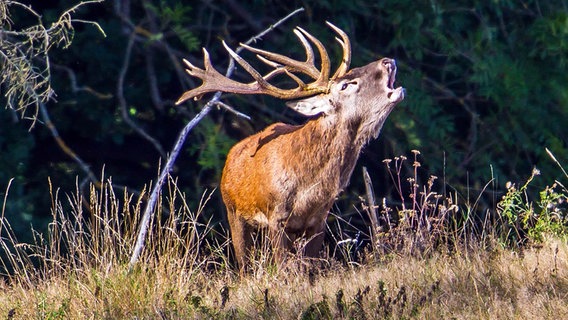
pixel 154 195
pixel 122 99
pixel 371 207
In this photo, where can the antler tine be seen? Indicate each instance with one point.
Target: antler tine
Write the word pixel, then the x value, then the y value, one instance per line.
pixel 198 73
pixel 346 45
pixel 279 69
pixel 252 71
pixel 325 63
pixel 263 86
pixel 306 67
pixel 309 50
pixel 214 81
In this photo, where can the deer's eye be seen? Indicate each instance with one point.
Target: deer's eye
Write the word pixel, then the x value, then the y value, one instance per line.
pixel 347 83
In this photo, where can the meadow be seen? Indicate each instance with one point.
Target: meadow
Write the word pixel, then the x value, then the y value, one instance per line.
pixel 430 261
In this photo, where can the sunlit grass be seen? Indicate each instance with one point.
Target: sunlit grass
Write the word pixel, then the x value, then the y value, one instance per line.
pixel 426 263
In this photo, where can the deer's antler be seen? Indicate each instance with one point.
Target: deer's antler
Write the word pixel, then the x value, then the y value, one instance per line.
pixel 214 81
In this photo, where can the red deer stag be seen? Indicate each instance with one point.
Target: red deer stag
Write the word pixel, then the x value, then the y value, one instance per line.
pixel 285 179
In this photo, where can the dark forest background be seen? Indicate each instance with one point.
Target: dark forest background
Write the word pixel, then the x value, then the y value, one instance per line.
pixel 487 92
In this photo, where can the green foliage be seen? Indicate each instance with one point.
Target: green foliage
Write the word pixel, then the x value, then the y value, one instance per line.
pixel 522 219
pixel 553 216
pixel 551 37
pixel 488 77
pixel 486 86
pixel 174 15
pixel 211 154
pixel 46 311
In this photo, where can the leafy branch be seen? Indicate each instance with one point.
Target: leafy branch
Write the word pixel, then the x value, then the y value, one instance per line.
pixel 25 68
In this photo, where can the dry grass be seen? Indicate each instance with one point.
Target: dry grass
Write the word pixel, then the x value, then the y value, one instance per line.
pixel 80 271
pixel 497 285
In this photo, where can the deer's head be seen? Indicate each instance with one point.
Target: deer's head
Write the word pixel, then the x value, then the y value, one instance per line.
pixel 362 92
pixel 365 95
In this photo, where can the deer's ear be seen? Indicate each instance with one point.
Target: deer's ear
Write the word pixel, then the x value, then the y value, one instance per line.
pixel 311 106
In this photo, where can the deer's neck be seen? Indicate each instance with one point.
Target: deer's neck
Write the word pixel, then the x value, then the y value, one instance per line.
pixel 337 147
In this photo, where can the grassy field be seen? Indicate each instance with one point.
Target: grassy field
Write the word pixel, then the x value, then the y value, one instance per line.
pixel 421 268
pixel 499 284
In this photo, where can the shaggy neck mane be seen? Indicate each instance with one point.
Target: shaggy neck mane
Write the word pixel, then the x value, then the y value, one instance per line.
pixel 339 144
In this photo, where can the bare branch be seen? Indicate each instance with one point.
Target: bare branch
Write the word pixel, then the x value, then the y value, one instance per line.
pixel 232 110
pixel 123 103
pixel 63 146
pixel 77 88
pixel 154 195
pixel 153 81
pixel 371 208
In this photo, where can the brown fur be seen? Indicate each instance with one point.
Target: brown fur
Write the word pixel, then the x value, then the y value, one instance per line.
pixel 285 179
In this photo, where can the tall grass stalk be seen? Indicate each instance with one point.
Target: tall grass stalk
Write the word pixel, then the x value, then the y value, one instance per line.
pixel 431 259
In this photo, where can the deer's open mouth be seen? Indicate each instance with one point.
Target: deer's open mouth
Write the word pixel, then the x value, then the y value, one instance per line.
pixel 392 76
pixel 394 94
